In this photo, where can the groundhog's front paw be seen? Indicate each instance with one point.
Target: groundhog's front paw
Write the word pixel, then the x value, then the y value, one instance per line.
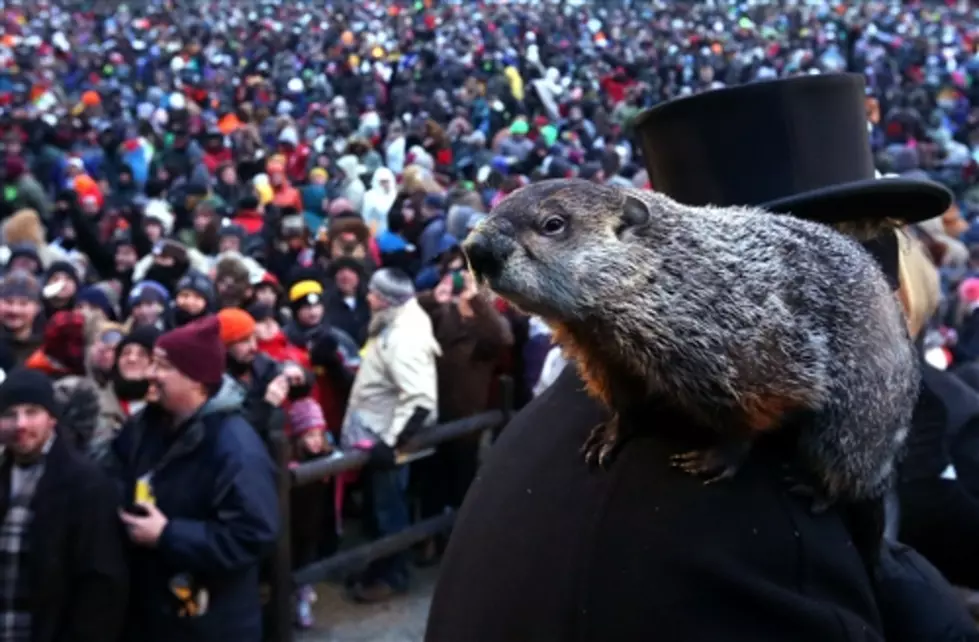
pixel 713 464
pixel 603 441
pixel 801 485
pixel 709 464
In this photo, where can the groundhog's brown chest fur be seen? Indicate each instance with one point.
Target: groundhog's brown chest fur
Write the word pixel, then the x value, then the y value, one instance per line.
pixel 623 384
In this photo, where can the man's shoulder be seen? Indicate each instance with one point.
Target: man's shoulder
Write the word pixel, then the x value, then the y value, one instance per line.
pixel 233 437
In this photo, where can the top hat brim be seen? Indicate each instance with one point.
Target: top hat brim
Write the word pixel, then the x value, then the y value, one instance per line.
pixel 898 199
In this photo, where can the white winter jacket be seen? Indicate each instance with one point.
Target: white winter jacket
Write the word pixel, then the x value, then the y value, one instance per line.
pixel 397 374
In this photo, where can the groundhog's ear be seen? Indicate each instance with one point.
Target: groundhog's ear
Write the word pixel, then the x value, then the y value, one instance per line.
pixel 635 213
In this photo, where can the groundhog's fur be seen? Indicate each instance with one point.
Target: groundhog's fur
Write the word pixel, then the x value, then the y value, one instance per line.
pixel 742 318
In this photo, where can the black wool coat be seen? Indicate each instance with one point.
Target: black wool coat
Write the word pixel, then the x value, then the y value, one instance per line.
pixel 545 549
pixel 79 577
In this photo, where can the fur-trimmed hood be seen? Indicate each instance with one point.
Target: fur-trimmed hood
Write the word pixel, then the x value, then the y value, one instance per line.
pixel 26 228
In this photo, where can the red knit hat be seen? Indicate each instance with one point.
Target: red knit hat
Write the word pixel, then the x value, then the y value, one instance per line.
pixel 196 350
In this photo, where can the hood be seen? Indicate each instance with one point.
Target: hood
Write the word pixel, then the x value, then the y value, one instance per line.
pixel 229 397
pixel 381 174
pixel 351 167
pixel 24 227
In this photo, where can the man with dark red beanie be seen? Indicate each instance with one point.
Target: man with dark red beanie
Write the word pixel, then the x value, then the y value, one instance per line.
pixel 205 505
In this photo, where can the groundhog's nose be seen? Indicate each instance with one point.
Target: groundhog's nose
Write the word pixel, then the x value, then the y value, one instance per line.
pixel 485 255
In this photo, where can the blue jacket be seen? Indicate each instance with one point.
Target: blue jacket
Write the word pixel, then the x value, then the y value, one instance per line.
pixel 215 482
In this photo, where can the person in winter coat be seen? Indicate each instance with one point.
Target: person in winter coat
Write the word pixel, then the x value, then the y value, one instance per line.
pixel 194 299
pixel 313 528
pixel 346 299
pixel 352 187
pixel 473 336
pixel 268 385
pixel 125 392
pixel 206 510
pixel 27 192
pixel 395 394
pixel 379 199
pixel 433 217
pixel 62 552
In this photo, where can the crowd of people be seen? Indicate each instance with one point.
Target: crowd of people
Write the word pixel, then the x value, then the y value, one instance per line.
pixel 228 219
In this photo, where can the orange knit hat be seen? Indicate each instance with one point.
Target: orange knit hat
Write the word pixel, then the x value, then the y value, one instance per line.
pixel 236 325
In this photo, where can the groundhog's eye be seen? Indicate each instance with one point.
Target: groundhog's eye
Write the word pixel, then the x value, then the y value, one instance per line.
pixel 553 225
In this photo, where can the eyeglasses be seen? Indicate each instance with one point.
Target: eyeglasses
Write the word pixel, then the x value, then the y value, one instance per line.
pixel 110 337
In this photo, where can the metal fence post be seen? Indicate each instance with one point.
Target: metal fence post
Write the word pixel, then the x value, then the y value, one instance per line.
pixel 278 628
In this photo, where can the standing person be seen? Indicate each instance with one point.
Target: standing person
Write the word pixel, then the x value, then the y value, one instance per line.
pixel 473 337
pixel 346 301
pixel 61 549
pixel 267 384
pixel 203 486
pixel 641 550
pixel 395 393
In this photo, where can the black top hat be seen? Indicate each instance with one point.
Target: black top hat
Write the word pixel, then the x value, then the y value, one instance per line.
pixel 797 146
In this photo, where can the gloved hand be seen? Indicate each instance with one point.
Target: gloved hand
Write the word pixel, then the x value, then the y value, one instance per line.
pixel 414 425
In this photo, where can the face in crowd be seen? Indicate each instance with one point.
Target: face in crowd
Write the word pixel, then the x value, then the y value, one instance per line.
pixel 311 314
pixel 347 280
pixel 191 302
pixel 173 390
pixel 17 313
pixel 27 428
pixel 147 312
pixel 102 352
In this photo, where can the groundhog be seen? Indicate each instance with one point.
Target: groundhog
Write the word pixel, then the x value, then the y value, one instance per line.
pixel 744 320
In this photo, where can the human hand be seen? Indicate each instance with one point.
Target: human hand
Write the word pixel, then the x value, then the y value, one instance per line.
pixel 443 291
pixel 294 374
pixel 469 287
pixel 145 530
pixel 277 391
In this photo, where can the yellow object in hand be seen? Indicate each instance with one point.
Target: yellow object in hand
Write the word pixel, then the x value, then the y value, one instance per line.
pixel 144 491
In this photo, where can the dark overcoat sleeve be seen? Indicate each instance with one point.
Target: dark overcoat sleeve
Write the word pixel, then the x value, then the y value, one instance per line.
pixel 98 583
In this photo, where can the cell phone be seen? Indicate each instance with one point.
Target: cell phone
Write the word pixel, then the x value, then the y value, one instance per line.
pixel 458 283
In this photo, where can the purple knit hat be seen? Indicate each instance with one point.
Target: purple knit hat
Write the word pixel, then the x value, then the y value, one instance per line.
pixel 305 415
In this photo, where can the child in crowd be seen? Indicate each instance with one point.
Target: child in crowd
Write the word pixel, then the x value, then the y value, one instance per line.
pixel 311 504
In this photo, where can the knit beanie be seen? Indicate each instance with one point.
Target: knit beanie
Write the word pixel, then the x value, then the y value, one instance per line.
pixel 64 340
pixel 194 281
pixel 143 335
pixel 305 415
pixel 148 291
pixel 63 267
pixel 196 350
pixel 24 251
pixel 96 297
pixel 236 325
pixel 392 285
pixel 20 284
pixel 25 386
pixel 261 311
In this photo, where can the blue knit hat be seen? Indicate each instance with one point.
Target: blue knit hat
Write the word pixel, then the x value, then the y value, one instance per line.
pixel 148 292
pixel 96 296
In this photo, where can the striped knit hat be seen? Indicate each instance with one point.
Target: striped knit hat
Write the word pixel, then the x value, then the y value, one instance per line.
pixel 305 415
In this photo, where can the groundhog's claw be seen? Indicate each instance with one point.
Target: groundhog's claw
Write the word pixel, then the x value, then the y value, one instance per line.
pixel 713 465
pixel 603 441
